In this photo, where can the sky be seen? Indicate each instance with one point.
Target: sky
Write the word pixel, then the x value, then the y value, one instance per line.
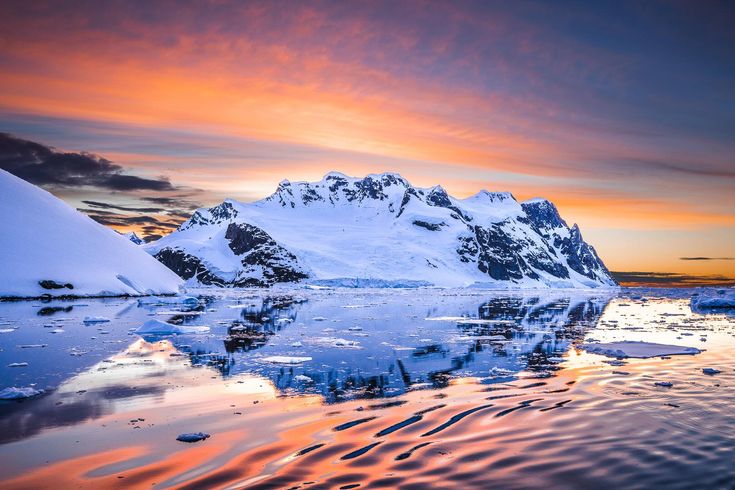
pixel 621 113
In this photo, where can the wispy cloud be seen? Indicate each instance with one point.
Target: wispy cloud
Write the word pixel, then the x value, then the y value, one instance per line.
pixel 706 258
pixel 671 279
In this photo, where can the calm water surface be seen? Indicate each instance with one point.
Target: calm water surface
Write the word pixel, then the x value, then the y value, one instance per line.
pixel 367 389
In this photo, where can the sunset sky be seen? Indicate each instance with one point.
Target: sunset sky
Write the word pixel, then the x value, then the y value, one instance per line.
pixel 622 113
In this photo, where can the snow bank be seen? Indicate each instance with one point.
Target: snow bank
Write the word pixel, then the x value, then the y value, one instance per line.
pixel 49 248
pixel 638 349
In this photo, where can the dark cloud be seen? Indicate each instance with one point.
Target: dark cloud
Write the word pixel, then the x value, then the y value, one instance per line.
pixel 706 258
pixel 120 220
pixel 173 201
pixel 671 279
pixel 106 205
pixel 45 166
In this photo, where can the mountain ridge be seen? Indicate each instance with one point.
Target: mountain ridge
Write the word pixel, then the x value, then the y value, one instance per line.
pixel 380 228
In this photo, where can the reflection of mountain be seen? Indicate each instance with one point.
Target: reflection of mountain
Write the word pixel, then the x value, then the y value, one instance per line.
pixel 524 334
pixel 395 348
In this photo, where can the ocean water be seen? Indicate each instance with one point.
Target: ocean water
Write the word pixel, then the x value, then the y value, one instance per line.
pixel 302 388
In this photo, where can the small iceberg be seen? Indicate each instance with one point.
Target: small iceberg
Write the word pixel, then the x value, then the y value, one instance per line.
pixel 640 350
pixel 95 319
pixel 158 327
pixel 192 437
pixel 721 299
pixel 285 359
pixel 168 300
pixel 15 393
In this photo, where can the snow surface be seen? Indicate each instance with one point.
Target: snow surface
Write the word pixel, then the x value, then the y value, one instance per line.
pixel 638 349
pixel 44 239
pixel 344 235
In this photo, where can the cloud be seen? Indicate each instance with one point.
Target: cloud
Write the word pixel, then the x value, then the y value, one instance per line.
pixel 637 278
pixel 105 205
pixel 706 258
pixel 111 219
pixel 45 166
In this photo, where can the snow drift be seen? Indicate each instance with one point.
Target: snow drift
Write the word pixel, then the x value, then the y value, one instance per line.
pixel 49 248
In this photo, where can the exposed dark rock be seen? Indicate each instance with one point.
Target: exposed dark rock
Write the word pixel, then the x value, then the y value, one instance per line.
pixel 187 266
pixel 429 226
pixel 260 253
pixel 48 284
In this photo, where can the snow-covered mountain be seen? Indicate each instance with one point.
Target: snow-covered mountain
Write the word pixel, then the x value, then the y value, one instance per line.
pixel 133 237
pixel 49 248
pixel 381 231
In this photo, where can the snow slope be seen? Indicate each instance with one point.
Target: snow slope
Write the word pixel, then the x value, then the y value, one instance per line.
pixel 381 231
pixel 49 248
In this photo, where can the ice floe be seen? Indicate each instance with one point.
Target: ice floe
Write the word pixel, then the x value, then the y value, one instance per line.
pixel 638 349
pixel 157 327
pixel 15 393
pixel 95 319
pixel 285 359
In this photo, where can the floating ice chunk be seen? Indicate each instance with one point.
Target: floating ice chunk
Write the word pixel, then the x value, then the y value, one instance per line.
pixel 15 393
pixel 95 319
pixel 7 330
pixel 301 378
pixel 493 338
pixel 192 437
pixel 319 319
pixel 25 364
pixel 285 359
pixel 296 344
pixel 446 318
pixel 168 300
pixel 711 371
pixel 336 342
pixel 157 327
pixel 638 349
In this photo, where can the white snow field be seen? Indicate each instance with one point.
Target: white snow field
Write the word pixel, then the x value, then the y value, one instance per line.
pixel 49 248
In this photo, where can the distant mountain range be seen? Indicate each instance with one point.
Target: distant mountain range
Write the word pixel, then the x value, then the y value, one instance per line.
pixel 381 231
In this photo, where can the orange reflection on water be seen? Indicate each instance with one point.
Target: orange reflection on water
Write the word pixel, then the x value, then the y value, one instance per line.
pixel 588 422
